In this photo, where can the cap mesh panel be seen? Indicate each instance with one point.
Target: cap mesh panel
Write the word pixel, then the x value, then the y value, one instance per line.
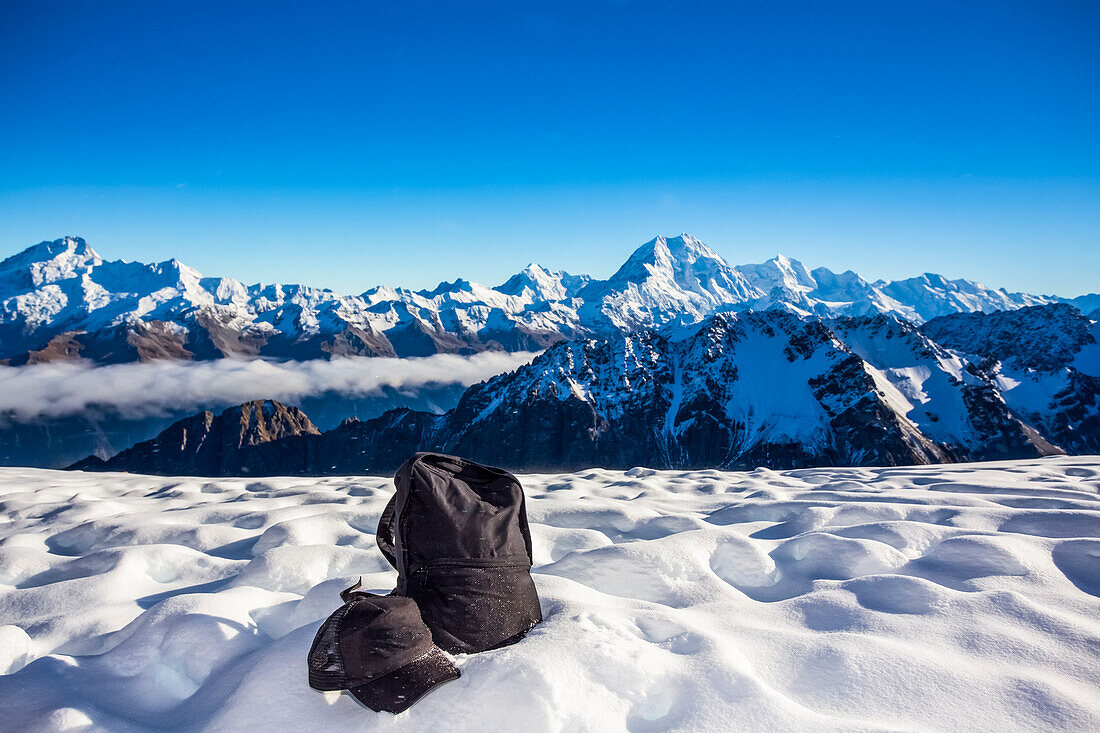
pixel 326 665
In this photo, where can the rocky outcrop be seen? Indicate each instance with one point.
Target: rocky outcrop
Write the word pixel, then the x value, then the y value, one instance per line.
pixel 1073 417
pixel 62 347
pixel 1043 337
pixel 216 445
pixel 864 431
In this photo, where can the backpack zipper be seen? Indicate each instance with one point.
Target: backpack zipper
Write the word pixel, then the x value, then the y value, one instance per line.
pixel 473 562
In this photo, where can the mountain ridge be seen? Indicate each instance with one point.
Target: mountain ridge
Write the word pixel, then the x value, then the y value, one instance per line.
pixel 61 301
pixel 741 390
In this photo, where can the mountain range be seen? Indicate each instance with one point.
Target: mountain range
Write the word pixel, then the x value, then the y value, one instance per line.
pixel 735 390
pixel 61 301
pixel 677 359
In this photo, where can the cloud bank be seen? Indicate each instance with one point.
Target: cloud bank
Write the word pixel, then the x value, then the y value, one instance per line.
pixel 157 389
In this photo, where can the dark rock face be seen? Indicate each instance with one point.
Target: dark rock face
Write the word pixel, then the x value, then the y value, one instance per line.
pixel 213 336
pixel 140 341
pixel 62 347
pixel 157 340
pixel 378 445
pixel 1051 351
pixel 209 445
pixel 867 432
pixel 1073 416
pixel 524 419
pixel 1003 435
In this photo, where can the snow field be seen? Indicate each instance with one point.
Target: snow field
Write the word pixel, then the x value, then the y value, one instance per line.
pixel 917 598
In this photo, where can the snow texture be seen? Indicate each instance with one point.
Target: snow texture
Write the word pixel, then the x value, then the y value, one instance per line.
pixel 858 599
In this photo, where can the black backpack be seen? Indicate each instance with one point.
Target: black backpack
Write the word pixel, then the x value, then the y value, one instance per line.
pixel 457 533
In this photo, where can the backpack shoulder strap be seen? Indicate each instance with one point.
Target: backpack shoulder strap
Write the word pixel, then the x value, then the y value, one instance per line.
pixel 384 535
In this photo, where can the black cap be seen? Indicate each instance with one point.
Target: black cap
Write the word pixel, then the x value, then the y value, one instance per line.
pixel 378 649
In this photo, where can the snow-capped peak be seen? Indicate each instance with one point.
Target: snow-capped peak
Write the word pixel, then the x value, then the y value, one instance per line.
pixel 533 281
pixel 48 262
pixel 64 248
pixel 932 295
pixel 684 264
pixel 185 273
pixel 669 256
pixel 780 271
pixel 536 283
pixel 668 279
pixel 458 285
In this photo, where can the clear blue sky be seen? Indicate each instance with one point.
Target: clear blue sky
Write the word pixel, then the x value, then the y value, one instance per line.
pixel 349 144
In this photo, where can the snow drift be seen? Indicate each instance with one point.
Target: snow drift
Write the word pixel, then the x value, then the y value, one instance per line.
pixel 867 599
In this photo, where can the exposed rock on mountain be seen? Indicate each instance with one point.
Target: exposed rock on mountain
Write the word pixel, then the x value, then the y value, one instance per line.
pixel 61 301
pixel 1039 337
pixel 943 394
pixel 209 445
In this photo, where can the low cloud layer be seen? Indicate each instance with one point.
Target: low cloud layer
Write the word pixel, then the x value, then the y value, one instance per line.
pixel 155 389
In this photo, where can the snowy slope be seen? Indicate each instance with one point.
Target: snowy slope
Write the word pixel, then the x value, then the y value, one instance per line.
pixel 919 599
pixel 60 301
pixel 925 382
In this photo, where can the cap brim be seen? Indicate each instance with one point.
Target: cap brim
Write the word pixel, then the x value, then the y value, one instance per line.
pixel 398 690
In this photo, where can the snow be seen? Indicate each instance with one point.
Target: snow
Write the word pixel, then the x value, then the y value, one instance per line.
pixel 789 413
pixel 536 283
pixel 933 295
pixel 856 599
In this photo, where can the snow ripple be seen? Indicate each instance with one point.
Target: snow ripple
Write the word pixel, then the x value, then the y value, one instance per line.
pixel 915 598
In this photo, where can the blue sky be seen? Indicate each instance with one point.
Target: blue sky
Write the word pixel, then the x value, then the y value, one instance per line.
pixel 350 144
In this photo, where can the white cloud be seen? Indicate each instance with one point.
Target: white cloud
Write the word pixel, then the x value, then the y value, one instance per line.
pixel 155 389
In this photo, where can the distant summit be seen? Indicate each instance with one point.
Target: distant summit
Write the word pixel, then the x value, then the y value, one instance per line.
pixel 675 279
pixel 538 284
pixel 48 262
pixel 61 301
